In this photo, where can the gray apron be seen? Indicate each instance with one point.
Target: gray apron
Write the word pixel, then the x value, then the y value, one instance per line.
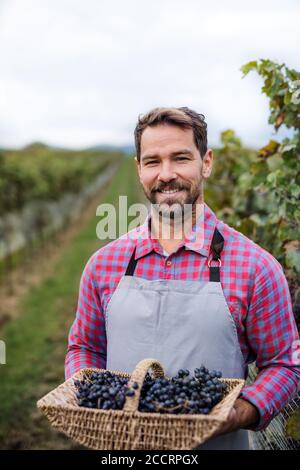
pixel 183 324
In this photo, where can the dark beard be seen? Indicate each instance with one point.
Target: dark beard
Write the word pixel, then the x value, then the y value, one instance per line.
pixel 190 200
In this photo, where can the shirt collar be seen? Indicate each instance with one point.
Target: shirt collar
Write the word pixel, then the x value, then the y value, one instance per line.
pixel 198 240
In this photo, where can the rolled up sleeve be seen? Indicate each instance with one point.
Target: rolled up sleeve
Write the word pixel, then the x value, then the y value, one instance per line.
pixel 87 337
pixel 273 337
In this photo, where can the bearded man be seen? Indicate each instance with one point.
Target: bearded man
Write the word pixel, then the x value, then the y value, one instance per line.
pixel 204 294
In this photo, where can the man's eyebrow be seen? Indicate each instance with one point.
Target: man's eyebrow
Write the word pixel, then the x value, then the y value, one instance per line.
pixel 173 154
pixel 181 152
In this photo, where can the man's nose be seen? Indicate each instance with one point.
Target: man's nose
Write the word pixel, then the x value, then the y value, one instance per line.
pixel 166 173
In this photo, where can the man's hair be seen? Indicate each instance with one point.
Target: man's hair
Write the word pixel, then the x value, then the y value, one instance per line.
pixel 181 117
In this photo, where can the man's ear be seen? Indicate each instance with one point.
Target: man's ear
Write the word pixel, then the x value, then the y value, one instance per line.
pixel 138 166
pixel 207 163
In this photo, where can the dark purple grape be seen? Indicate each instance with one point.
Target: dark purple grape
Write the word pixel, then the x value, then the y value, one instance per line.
pixel 182 394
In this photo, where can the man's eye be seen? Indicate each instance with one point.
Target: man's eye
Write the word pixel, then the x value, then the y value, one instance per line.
pixel 152 162
pixel 181 158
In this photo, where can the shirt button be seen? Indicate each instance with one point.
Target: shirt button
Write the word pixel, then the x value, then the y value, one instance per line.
pixel 169 263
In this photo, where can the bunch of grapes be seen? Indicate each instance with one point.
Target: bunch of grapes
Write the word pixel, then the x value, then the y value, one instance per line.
pixel 182 394
pixel 102 390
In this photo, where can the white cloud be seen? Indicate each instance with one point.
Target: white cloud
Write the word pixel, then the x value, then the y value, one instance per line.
pixel 78 73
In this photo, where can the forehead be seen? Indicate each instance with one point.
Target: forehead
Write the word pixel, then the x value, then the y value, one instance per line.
pixel 166 137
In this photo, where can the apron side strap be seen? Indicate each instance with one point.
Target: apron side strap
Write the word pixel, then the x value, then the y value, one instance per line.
pixel 131 265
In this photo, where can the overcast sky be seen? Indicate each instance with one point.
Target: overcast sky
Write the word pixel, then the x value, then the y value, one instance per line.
pixel 77 73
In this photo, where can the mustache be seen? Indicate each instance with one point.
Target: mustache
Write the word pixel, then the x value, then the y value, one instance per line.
pixel 168 187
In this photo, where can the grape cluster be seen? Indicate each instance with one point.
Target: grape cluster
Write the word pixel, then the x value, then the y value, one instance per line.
pixel 102 390
pixel 182 394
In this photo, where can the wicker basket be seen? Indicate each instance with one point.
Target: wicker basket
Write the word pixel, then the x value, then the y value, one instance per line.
pixel 129 428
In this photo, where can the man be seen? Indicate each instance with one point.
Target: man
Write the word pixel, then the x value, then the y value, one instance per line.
pixel 207 295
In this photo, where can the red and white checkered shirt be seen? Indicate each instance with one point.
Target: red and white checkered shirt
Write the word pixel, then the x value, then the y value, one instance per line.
pixel 254 286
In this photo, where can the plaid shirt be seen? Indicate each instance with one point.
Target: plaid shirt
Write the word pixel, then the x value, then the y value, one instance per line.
pixel 254 286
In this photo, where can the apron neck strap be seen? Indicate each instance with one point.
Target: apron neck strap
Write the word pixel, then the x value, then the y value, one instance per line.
pixel 216 248
pixel 214 271
pixel 132 264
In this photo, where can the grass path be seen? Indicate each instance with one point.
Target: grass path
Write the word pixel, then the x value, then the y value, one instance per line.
pixel 36 341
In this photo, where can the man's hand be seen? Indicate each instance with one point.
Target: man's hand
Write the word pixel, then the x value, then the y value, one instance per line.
pixel 242 416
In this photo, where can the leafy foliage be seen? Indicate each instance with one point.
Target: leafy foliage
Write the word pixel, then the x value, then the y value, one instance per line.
pixel 258 193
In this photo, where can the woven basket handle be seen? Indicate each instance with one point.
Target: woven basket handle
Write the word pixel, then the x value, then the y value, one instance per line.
pixel 138 375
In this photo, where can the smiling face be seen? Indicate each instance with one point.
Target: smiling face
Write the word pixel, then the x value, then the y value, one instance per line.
pixel 171 169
